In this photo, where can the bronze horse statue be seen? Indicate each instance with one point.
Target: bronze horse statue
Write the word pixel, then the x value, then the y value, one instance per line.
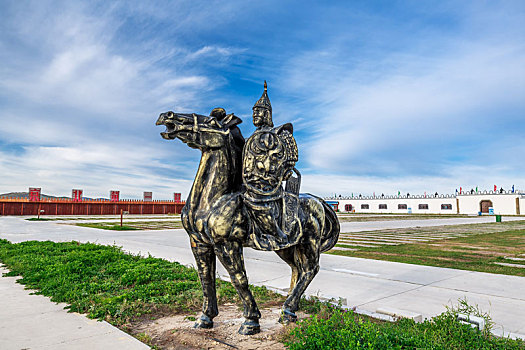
pixel 212 234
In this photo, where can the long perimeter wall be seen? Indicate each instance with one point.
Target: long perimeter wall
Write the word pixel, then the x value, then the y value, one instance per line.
pixel 21 206
pixel 501 203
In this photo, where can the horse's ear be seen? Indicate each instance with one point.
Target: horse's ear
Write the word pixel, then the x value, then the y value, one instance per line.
pixel 285 127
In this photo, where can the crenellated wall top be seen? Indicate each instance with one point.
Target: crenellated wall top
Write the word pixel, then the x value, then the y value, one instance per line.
pixel 518 193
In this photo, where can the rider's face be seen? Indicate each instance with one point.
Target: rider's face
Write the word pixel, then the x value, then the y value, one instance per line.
pixel 258 116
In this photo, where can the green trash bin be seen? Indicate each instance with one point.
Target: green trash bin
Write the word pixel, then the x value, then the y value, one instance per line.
pixel 498 218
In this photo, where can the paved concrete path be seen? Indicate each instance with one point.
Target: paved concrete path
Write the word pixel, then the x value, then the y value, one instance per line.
pixel 365 284
pixel 34 322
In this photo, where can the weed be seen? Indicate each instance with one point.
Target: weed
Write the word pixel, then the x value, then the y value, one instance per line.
pixel 143 337
pixel 146 339
pixel 464 307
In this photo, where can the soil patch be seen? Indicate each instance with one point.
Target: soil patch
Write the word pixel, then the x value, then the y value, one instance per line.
pixel 177 332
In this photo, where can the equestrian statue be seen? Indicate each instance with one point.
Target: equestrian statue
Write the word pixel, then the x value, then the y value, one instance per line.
pixel 246 194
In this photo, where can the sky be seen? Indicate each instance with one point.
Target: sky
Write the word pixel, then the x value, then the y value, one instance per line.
pixel 384 96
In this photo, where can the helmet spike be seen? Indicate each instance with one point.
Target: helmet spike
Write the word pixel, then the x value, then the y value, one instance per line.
pixel 264 101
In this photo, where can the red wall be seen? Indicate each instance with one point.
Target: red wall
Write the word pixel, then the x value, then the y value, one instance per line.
pixel 15 206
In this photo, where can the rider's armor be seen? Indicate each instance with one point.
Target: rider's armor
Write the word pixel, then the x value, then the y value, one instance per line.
pixel 269 157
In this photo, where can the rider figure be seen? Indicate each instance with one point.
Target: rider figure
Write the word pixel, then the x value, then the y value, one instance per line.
pixel 269 156
pixel 261 213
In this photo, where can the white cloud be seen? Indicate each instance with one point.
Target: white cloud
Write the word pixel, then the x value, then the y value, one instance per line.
pixel 214 51
pixel 81 113
pixel 83 68
pixel 81 86
pixel 94 168
pixel 410 109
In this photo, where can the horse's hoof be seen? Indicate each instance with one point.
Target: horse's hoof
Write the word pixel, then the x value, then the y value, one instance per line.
pixel 287 316
pixel 250 327
pixel 204 322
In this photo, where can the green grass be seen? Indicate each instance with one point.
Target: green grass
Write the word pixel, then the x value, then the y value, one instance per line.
pixel 476 252
pixel 108 226
pixel 333 328
pixel 360 217
pixel 106 283
pixel 133 225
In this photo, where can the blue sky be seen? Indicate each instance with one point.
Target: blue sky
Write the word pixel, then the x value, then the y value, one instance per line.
pixel 385 96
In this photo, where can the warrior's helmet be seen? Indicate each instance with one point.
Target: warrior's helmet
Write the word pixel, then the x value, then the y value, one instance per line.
pixel 264 104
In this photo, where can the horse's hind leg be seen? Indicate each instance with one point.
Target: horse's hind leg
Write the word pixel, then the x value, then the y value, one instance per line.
pixel 304 261
pixel 205 259
pixel 288 257
pixel 231 256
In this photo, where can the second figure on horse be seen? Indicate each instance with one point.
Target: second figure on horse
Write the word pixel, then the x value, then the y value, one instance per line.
pixel 268 159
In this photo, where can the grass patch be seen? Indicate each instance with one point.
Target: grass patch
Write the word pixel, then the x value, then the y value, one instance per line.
pixel 108 226
pixel 333 328
pixel 38 219
pixel 361 217
pixel 106 283
pixel 137 225
pixel 475 251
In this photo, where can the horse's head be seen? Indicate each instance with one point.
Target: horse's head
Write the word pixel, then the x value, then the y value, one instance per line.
pixel 179 125
pixel 199 131
pixel 189 128
pixel 218 138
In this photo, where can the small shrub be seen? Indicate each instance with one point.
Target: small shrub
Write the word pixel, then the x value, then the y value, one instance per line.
pixel 465 308
pixel 346 330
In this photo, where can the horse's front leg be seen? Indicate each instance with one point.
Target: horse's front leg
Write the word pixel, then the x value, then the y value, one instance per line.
pixel 205 259
pixel 231 256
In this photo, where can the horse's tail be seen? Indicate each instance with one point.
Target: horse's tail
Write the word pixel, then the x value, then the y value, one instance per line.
pixel 330 234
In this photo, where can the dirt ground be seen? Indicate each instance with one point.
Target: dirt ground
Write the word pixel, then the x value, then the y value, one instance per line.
pixel 177 332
